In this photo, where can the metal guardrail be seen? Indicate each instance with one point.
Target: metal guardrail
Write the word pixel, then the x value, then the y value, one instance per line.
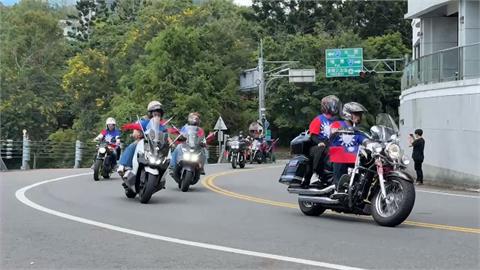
pixel 46 154
pixel 458 63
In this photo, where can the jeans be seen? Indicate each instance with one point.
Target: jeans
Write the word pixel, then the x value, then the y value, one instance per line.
pixel 126 159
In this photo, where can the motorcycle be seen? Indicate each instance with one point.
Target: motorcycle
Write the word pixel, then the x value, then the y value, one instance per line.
pixel 103 164
pixel 150 162
pixel 256 153
pixel 237 153
pixel 187 169
pixel 377 185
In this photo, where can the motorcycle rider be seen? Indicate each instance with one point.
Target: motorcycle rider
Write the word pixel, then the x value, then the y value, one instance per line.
pixel 111 135
pixel 319 135
pixel 344 147
pixel 154 108
pixel 192 120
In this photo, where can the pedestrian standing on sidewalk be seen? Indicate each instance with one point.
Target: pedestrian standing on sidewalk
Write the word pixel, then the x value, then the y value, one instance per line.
pixel 418 144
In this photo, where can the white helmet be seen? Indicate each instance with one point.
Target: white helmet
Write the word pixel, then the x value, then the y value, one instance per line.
pixel 110 121
pixel 154 105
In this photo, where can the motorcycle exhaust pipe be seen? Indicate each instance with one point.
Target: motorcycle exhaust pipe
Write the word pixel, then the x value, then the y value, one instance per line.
pixel 319 200
pixel 311 191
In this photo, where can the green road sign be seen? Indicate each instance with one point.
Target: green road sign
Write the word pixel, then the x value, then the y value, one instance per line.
pixel 343 62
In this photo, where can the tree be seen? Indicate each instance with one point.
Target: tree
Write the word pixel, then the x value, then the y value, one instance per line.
pixel 32 57
pixel 90 83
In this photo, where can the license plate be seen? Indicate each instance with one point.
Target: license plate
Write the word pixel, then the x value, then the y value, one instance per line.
pixel 293 163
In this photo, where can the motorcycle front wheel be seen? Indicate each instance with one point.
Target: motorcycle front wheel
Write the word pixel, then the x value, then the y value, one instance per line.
pixel 234 162
pixel 396 206
pixel 186 181
pixel 147 186
pixel 96 169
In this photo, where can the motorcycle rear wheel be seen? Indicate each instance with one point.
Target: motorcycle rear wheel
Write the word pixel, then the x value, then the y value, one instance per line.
pixel 311 209
pixel 396 207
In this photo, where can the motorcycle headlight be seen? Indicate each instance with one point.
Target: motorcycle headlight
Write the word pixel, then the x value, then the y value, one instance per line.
pixel 194 157
pixel 102 150
pixel 191 157
pixel 375 147
pixel 153 160
pixel 405 160
pixel 393 151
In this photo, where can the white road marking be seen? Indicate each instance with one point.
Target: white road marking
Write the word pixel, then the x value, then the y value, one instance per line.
pixel 20 195
pixel 448 194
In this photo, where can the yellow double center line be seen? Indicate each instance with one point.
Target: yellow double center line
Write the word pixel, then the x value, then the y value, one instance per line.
pixel 208 182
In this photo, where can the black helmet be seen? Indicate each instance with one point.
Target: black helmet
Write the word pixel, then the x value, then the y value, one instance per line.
pixel 352 107
pixel 331 105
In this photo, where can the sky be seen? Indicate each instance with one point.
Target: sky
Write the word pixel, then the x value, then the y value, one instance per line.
pixel 238 2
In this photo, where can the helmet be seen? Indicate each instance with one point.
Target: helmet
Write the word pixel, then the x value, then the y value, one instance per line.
pixel 194 119
pixel 110 121
pixel 352 107
pixel 331 105
pixel 155 106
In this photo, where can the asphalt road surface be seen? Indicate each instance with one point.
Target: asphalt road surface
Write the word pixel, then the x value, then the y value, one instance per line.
pixel 233 219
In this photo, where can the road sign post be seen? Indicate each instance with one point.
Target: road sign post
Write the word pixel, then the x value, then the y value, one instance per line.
pixel 343 62
pixel 220 127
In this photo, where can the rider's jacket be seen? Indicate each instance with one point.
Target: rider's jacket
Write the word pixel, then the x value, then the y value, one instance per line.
pixel 200 133
pixel 320 127
pixel 111 136
pixel 344 147
pixel 142 125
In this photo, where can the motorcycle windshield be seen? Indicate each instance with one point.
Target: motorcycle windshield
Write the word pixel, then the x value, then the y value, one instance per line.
pixel 191 133
pixel 154 131
pixel 387 126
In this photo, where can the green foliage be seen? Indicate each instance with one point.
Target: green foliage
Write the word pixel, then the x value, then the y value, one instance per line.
pixel 32 59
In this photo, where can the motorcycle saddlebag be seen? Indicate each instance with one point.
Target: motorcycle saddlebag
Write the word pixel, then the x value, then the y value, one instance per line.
pixel 294 171
pixel 300 144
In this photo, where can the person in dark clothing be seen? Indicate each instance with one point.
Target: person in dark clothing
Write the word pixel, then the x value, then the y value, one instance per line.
pixel 418 144
pixel 319 130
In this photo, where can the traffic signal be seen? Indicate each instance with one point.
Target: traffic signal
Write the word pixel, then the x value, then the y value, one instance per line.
pixel 366 74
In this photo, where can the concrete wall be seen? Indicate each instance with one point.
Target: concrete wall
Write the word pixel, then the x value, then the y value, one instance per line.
pixel 449 114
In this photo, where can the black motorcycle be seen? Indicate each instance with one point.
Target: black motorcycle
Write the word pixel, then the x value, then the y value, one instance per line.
pixel 377 185
pixel 187 169
pixel 237 153
pixel 103 164
pixel 149 163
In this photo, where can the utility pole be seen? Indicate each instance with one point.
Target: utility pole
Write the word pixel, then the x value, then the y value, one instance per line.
pixel 259 78
pixel 261 85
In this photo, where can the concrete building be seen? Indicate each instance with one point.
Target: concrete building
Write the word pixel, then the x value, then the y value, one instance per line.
pixel 441 88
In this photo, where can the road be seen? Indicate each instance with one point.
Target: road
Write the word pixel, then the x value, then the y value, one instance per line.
pixel 233 219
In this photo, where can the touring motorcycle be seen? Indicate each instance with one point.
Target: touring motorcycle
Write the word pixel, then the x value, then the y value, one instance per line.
pixel 377 185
